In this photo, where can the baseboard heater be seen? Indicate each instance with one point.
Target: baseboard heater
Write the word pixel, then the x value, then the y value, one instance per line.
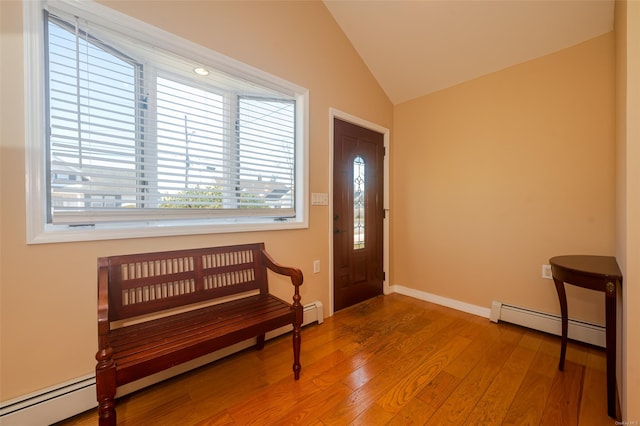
pixel 581 331
pixel 76 396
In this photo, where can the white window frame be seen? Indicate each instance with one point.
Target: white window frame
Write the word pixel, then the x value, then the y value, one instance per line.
pixel 39 231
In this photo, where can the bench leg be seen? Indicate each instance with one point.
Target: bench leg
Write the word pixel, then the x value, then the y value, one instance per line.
pixel 260 342
pixel 107 413
pixel 296 351
pixel 106 388
pixel 297 326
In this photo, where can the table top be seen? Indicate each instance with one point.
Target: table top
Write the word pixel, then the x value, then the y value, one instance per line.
pixel 600 266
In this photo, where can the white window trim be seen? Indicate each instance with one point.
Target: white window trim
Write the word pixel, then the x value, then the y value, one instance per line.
pixel 38 231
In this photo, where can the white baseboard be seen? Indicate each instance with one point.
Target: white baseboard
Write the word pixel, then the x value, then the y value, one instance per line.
pixel 76 396
pixel 593 334
pixel 444 301
pixel 50 405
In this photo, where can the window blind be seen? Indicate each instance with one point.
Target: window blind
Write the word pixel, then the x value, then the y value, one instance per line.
pixel 135 134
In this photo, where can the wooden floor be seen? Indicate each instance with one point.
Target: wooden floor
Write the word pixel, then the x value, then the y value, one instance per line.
pixel 392 360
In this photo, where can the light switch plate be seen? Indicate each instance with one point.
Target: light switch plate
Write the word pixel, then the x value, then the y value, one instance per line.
pixel 319 199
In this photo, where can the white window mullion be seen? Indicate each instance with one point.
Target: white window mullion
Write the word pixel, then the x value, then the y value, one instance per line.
pixel 231 154
pixel 77 88
pixel 147 154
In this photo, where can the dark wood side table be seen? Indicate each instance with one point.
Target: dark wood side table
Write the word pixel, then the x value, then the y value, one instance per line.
pixel 600 273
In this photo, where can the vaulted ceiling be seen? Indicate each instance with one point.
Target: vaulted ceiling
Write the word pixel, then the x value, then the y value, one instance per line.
pixel 417 47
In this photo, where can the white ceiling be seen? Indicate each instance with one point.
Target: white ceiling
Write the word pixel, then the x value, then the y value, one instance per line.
pixel 418 47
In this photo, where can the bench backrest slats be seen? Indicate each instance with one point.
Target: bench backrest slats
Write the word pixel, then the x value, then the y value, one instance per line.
pixel 147 283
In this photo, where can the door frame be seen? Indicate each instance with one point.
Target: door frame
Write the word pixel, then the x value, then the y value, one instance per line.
pixel 333 114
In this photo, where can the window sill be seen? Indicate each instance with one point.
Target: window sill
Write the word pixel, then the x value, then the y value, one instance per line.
pixel 61 234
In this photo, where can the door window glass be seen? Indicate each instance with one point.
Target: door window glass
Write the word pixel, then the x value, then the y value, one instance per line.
pixel 358 203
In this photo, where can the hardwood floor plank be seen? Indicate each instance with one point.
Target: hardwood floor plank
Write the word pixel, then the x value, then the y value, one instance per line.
pixel 359 368
pixel 415 412
pixel 409 386
pixel 563 404
pixel 379 378
pixel 306 410
pixel 494 404
pixel 221 419
pixel 157 409
pixel 271 404
pixel 484 340
pixel 436 392
pixel 528 404
pixel 593 406
pixel 373 416
pixel 458 407
pixel 531 397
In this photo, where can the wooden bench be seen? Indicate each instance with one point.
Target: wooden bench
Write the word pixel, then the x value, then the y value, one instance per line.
pixel 232 283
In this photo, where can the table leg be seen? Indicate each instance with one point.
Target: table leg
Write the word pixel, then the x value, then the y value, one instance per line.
pixel 562 297
pixel 611 317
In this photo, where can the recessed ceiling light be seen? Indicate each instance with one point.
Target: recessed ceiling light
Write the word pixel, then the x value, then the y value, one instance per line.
pixel 201 71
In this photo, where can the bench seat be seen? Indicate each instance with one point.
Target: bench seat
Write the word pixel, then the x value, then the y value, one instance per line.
pixel 148 347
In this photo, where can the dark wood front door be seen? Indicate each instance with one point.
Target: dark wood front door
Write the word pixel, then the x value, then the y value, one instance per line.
pixel 357 214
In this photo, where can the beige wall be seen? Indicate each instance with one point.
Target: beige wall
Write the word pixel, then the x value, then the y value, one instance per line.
pixel 494 176
pixel 628 199
pixel 48 299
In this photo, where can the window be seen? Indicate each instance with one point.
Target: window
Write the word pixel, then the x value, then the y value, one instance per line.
pixel 358 203
pixel 138 140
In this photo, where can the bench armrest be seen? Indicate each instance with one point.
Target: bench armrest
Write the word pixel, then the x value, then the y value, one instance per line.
pixel 296 279
pixel 294 273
